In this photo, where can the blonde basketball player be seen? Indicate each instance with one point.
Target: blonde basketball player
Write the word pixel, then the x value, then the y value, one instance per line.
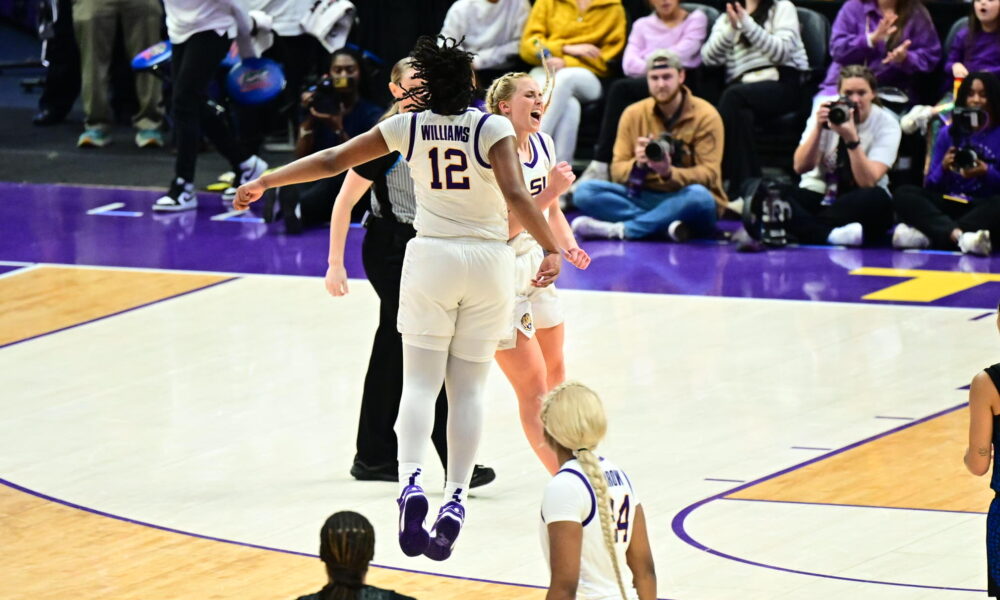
pixel 593 526
pixel 532 358
pixel 456 290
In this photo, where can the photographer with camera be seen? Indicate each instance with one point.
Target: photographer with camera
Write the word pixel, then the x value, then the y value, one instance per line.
pixel 846 150
pixel 666 168
pixel 334 111
pixel 959 204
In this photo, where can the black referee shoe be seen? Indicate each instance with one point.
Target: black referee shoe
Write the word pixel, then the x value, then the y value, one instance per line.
pixel 481 475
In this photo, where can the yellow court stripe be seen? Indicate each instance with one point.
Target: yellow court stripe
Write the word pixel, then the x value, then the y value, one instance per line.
pixel 923 285
pixel 918 467
pixel 48 299
pixel 55 551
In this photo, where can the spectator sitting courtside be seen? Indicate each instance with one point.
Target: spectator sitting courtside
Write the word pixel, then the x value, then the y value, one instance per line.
pixel 668 27
pixel 959 205
pixel 677 196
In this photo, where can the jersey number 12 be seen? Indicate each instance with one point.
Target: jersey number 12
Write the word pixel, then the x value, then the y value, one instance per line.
pixel 457 163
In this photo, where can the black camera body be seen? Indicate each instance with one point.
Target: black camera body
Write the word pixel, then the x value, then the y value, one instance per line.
pixel 840 110
pixel 327 97
pixel 964 122
pixel 663 146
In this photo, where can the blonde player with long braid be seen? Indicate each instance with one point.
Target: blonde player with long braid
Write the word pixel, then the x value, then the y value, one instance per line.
pixel 588 560
pixel 532 358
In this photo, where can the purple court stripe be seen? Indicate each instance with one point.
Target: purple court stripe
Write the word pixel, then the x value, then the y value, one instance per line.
pixel 894 418
pixel 983 316
pixel 961 512
pixel 677 525
pixel 101 513
pixel 725 480
pixel 115 314
pixel 810 448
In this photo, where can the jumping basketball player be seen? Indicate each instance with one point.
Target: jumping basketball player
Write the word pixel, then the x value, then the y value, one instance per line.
pixel 456 291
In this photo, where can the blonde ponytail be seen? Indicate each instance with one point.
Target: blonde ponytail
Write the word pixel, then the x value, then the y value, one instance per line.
pixel 574 417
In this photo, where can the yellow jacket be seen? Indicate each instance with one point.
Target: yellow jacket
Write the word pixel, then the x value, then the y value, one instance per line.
pixel 556 23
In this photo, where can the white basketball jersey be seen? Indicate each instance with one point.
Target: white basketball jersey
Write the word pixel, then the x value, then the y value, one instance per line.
pixel 570 497
pixel 536 169
pixel 448 155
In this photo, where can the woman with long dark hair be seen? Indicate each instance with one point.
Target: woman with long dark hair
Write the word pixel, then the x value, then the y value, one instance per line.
pixel 959 204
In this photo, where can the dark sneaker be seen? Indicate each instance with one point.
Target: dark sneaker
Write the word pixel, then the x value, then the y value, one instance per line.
pixel 179 197
pixel 445 531
pixel 413 538
pixel 383 472
pixel 481 476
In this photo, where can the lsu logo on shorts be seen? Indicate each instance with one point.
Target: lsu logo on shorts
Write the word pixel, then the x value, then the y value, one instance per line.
pixel 526 323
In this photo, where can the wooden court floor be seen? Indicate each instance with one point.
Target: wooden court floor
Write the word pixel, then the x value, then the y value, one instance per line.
pixel 169 434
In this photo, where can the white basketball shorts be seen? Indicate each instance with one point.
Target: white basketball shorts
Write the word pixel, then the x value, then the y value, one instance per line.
pixel 534 308
pixel 455 291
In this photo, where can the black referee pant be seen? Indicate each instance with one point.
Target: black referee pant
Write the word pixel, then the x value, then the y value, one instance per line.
pixel 382 254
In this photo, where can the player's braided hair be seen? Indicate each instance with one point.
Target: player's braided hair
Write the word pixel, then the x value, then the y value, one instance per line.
pixel 346 546
pixel 574 417
pixel 447 73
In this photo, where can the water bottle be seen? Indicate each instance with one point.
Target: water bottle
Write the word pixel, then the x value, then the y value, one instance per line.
pixel 636 181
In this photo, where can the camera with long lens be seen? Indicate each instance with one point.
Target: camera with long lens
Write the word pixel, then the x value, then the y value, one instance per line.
pixel 659 149
pixel 964 122
pixel 840 110
pixel 328 95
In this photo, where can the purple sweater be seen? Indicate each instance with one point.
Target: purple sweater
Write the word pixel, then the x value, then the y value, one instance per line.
pixel 987 145
pixel 649 33
pixel 983 54
pixel 849 46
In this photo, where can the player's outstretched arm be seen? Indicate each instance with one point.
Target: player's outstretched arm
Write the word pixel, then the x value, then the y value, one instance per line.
pixel 507 170
pixel 640 558
pixel 326 163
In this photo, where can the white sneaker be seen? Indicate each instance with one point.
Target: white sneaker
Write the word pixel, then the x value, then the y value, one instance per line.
pixel 250 169
pixel 846 235
pixel 975 242
pixel 904 237
pixel 679 232
pixel 595 170
pixel 180 196
pixel 589 227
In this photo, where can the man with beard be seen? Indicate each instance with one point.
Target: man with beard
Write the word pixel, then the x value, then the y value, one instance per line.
pixel 666 169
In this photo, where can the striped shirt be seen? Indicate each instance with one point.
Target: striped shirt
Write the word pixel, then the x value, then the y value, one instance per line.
pixel 401 195
pixel 778 43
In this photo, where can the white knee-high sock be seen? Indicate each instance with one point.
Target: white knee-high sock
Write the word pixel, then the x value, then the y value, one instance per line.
pixel 423 372
pixel 465 382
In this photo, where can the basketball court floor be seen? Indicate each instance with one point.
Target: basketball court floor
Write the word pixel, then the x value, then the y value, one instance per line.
pixel 179 397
